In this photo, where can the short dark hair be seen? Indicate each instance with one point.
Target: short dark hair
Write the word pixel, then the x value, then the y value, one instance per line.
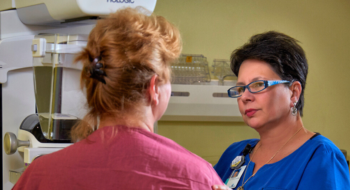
pixel 282 52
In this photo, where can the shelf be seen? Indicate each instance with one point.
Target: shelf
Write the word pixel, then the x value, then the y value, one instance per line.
pixel 199 104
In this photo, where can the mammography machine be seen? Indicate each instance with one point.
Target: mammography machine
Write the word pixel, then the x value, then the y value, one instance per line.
pixel 40 89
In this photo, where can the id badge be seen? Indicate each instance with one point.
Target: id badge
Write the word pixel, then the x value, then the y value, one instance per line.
pixel 237 162
pixel 234 178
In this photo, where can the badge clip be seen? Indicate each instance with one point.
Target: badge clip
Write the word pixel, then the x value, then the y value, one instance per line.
pixel 237 162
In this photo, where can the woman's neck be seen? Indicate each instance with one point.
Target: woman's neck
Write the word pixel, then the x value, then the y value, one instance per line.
pixel 272 137
pixel 142 118
pixel 279 141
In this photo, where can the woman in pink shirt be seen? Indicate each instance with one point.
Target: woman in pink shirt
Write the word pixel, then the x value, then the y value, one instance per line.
pixel 126 76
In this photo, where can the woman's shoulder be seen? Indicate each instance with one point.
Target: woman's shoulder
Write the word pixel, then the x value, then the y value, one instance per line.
pixel 169 146
pixel 322 142
pixel 325 163
pixel 321 145
pixel 174 158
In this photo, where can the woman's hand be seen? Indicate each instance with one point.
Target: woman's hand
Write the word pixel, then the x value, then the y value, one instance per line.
pixel 221 187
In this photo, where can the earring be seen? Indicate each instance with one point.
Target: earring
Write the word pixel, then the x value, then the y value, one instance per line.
pixel 294 109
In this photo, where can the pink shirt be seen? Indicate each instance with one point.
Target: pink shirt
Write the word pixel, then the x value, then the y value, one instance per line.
pixel 120 158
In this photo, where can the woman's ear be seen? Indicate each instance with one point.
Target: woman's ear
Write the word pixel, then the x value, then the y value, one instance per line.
pixel 153 90
pixel 295 91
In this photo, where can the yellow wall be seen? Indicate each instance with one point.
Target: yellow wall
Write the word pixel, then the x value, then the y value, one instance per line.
pixel 215 28
pixel 5 4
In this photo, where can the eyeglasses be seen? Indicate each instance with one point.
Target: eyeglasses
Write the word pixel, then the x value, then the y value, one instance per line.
pixel 253 87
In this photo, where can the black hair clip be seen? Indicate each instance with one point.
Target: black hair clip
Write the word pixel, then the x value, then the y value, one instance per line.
pixel 96 71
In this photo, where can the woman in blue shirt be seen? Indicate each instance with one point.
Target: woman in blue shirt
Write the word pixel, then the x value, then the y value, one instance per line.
pixel 272 70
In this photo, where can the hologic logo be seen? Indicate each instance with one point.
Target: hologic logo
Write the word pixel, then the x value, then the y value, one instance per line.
pixel 120 1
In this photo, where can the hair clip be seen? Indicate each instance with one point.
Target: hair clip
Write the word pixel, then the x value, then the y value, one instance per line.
pixel 96 71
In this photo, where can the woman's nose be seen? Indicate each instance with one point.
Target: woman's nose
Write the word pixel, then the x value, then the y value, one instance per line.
pixel 247 96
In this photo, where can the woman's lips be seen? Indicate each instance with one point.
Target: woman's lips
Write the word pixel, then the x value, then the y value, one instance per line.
pixel 250 112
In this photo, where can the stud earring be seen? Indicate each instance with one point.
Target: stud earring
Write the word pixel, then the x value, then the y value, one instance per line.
pixel 294 109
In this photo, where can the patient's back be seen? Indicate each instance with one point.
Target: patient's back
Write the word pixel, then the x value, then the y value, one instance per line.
pixel 120 158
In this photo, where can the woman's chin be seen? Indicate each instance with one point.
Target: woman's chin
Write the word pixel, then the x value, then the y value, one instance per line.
pixel 253 123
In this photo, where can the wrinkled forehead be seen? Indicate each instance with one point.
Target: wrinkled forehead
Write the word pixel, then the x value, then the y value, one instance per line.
pixel 252 70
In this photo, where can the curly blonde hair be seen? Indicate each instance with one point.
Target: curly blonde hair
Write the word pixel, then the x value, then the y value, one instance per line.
pixel 132 47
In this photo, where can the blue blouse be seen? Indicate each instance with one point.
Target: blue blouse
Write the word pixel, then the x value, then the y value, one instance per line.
pixel 317 164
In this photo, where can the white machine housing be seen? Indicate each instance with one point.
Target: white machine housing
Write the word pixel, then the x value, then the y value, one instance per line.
pixel 49 12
